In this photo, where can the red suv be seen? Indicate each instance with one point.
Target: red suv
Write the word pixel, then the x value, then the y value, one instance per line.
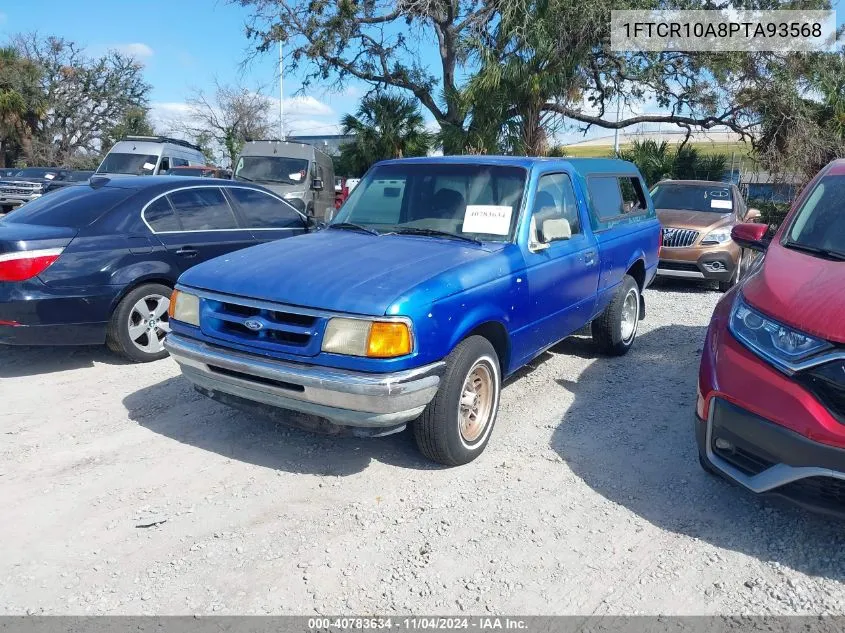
pixel 771 388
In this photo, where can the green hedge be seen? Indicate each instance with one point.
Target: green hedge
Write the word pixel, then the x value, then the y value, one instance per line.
pixel 773 212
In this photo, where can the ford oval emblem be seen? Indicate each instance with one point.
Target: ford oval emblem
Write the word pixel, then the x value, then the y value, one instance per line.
pixel 253 324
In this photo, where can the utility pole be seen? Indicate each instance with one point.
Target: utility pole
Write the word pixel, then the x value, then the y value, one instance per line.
pixel 281 94
pixel 616 131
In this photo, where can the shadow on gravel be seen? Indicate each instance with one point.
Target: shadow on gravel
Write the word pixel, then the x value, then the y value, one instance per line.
pixel 692 286
pixel 629 436
pixel 32 361
pixel 174 409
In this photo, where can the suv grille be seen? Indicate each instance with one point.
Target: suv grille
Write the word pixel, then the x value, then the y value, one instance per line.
pixel 678 238
pixel 827 383
pixel 824 491
pixel 279 328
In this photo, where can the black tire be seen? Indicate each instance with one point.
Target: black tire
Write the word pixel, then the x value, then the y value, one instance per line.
pixel 118 336
pixel 607 328
pixel 438 430
pixel 724 286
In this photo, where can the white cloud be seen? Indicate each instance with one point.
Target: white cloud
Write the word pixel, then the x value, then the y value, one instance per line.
pixel 303 105
pixel 138 50
pixel 168 116
pixel 309 127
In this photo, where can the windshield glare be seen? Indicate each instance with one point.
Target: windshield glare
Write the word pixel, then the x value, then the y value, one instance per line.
pixel 478 201
pixel 715 198
pixel 273 169
pixel 820 223
pixel 133 164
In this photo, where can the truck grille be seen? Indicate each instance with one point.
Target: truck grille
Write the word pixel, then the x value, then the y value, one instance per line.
pixel 15 191
pixel 827 383
pixel 678 238
pixel 277 328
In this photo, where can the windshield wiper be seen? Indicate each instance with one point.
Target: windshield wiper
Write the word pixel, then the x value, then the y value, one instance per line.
pixel 824 252
pixel 239 177
pixel 413 230
pixel 350 226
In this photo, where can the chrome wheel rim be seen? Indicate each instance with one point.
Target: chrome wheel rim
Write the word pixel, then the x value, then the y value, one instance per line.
pixel 630 313
pixel 478 396
pixel 149 323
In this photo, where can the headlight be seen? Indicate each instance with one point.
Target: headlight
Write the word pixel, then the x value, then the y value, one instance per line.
pixel 717 236
pixel 778 343
pixel 361 337
pixel 184 307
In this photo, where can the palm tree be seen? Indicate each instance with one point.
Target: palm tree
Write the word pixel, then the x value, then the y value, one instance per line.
pixel 21 101
pixel 655 160
pixel 385 126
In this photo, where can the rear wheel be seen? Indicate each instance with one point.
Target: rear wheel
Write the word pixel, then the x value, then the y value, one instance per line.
pixel 615 329
pixel 139 323
pixel 724 286
pixel 455 427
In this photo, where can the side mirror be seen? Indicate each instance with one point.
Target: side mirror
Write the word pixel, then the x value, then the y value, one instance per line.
pixel 317 184
pixel 552 230
pixel 752 215
pixel 752 236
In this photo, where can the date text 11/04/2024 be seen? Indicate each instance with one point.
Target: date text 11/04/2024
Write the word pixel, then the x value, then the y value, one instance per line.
pixel 415 623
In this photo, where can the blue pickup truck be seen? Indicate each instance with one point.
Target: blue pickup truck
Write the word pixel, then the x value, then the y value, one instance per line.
pixel 438 278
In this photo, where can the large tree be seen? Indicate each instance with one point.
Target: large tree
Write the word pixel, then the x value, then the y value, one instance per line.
pixel 385 126
pixel 84 97
pixel 230 116
pixel 21 103
pixel 519 64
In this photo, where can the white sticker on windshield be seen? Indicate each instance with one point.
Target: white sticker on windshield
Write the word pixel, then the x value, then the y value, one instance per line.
pixel 494 219
pixel 149 166
pixel 49 176
pixel 296 177
pixel 720 204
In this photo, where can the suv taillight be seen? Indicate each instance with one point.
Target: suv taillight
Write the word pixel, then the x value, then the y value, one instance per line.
pixel 25 265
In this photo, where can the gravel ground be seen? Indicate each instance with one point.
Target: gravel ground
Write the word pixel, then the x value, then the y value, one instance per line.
pixel 125 492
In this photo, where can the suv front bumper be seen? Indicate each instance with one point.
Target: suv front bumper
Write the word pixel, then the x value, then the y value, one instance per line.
pixel 347 398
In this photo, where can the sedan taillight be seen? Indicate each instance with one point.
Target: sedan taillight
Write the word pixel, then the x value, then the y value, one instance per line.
pixel 26 264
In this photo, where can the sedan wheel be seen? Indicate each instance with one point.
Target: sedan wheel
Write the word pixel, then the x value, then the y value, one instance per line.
pixel 148 323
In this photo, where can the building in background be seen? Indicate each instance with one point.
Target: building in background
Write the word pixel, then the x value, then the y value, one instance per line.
pixel 328 143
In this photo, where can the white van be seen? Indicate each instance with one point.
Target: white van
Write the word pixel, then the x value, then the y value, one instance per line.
pixel 149 155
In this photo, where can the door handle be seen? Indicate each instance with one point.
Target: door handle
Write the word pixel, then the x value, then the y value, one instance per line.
pixel 590 258
pixel 187 251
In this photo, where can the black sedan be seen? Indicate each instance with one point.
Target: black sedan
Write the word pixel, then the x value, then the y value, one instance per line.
pixel 96 263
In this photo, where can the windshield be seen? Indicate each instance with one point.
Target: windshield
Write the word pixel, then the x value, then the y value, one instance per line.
pixel 820 223
pixel 477 201
pixel 133 164
pixel 275 169
pixel 715 198
pixel 34 172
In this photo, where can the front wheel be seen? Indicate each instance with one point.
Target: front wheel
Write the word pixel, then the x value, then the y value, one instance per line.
pixel 615 329
pixel 455 427
pixel 138 325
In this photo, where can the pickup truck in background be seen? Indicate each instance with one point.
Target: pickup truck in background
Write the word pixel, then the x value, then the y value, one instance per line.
pixel 447 275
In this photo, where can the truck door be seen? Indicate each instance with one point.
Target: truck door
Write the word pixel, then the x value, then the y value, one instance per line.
pixel 563 273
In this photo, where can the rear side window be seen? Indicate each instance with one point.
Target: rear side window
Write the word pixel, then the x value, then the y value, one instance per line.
pixel 262 211
pixel 160 217
pixel 203 209
pixel 73 206
pixel 613 197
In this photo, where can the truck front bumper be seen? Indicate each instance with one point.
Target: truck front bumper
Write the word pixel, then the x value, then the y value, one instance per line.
pixel 347 398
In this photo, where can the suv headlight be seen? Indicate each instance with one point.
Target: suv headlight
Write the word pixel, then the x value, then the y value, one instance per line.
pixel 371 338
pixel 184 307
pixel 775 342
pixel 717 236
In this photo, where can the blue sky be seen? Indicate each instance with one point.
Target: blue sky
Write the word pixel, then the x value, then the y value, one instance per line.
pixel 185 44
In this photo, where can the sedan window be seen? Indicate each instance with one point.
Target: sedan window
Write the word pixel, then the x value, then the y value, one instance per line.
pixel 203 209
pixel 263 211
pixel 160 217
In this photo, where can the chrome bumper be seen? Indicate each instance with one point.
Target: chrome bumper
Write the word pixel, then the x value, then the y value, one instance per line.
pixel 680 274
pixel 345 397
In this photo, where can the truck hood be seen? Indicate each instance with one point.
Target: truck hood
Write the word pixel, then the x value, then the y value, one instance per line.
pixel 800 290
pixel 697 220
pixel 338 270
